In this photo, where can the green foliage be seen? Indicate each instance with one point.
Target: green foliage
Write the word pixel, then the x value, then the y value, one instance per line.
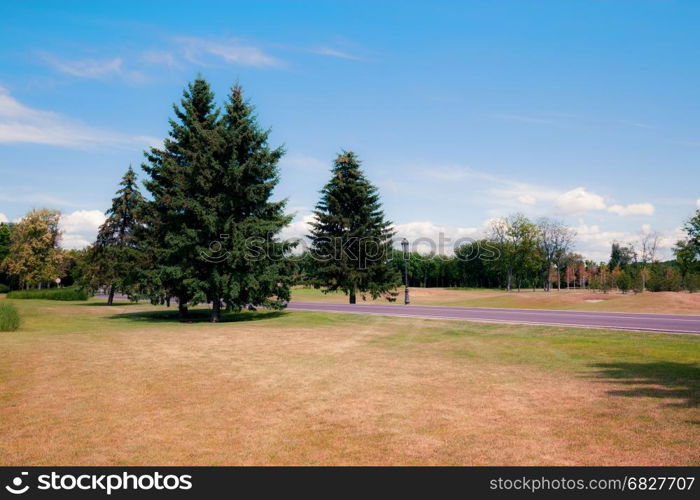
pixel 688 250
pixel 5 239
pixel 211 187
pixel 620 256
pixel 9 317
pixel 350 236
pixel 516 239
pixel 34 257
pixel 692 283
pixel 4 288
pixel 114 262
pixel 664 279
pixel 71 293
pixel 623 281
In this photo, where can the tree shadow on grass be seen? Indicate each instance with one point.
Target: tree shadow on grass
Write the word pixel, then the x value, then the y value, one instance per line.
pixel 197 316
pixel 664 380
pixel 121 303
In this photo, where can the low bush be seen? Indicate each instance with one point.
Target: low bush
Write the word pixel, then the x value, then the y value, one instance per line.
pixel 9 317
pixel 4 288
pixel 50 294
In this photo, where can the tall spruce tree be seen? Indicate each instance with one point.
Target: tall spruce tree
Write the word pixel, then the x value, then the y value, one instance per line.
pixel 114 261
pixel 211 226
pixel 350 237
pixel 247 268
pixel 179 173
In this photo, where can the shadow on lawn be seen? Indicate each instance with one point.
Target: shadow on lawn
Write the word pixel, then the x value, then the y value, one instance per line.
pixel 197 316
pixel 663 380
pixel 121 303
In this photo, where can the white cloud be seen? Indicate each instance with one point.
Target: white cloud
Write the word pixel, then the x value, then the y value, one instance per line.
pixel 697 203
pixel 298 229
pixel 198 50
pixel 527 199
pixel 96 69
pixel 425 236
pixel 578 201
pixel 325 51
pixel 632 209
pixel 3 217
pixel 594 243
pixel 40 199
pixel 22 124
pixel 80 228
pixel 428 237
pixel 505 194
pixel 160 57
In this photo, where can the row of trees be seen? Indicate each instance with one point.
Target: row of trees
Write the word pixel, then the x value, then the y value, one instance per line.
pixel 519 253
pixel 207 231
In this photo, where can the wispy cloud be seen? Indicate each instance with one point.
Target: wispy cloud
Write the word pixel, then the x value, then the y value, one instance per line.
pixel 515 195
pixel 203 52
pixel 95 69
pixel 23 124
pixel 160 57
pixel 326 51
pixel 632 209
pixel 39 199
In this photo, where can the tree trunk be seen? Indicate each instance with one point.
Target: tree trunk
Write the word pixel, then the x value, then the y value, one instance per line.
pixel 181 309
pixel 110 298
pixel 353 297
pixel 509 279
pixel 216 310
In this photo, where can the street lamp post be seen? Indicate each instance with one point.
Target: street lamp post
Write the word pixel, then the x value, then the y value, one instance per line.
pixel 404 245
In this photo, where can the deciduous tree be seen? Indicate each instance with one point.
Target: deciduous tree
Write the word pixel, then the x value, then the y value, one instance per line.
pixel 34 257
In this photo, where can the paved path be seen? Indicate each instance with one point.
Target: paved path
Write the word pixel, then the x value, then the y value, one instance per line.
pixel 672 323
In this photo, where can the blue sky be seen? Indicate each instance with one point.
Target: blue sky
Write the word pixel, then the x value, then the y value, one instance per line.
pixel 462 111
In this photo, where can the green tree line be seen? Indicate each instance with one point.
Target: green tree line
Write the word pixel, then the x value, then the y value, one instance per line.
pixel 206 230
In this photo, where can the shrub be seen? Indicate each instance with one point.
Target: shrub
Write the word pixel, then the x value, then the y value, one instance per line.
pixel 9 318
pixel 4 288
pixel 50 294
pixel 692 282
pixel 624 282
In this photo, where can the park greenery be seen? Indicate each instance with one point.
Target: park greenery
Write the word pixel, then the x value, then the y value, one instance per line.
pixel 206 230
pixel 64 294
pixel 9 317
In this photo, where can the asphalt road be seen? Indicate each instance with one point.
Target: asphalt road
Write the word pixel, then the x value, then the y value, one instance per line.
pixel 672 323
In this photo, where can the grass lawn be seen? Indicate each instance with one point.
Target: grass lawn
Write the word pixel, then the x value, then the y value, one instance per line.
pixel 582 300
pixel 88 384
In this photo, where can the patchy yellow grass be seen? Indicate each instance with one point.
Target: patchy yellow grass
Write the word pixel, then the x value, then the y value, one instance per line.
pixel 90 385
pixel 584 300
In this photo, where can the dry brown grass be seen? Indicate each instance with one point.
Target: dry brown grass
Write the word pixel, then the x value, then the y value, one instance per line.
pixel 305 388
pixel 648 302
